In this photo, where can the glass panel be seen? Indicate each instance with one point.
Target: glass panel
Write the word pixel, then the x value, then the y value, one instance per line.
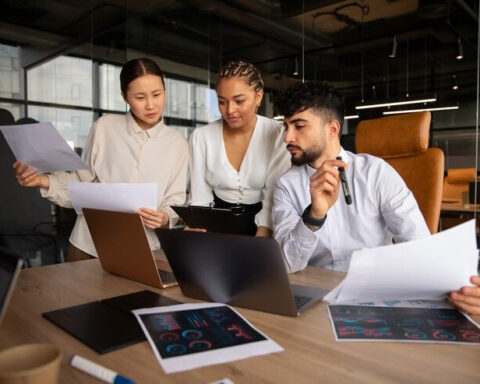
pixel 72 124
pixel 10 72
pixel 206 104
pixel 110 92
pixel 185 131
pixel 63 80
pixel 179 99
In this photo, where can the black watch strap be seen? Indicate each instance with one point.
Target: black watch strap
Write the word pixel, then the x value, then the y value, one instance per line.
pixel 307 219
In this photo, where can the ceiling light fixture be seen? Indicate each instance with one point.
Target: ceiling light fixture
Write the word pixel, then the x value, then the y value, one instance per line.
pixel 278 117
pixel 391 103
pixel 351 117
pixel 393 53
pixel 295 68
pixel 454 82
pixel 432 109
pixel 459 49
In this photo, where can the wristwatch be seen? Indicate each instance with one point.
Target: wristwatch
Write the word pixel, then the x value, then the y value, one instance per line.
pixel 311 222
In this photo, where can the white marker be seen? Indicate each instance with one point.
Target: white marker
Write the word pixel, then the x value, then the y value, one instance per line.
pixel 98 371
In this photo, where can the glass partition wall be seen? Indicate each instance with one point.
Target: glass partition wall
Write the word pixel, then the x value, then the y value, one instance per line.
pixel 60 62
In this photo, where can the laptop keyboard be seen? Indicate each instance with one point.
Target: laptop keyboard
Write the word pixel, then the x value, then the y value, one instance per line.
pixel 300 301
pixel 167 277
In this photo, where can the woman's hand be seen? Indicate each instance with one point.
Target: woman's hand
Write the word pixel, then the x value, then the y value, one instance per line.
pixel 263 232
pixel 152 218
pixel 28 177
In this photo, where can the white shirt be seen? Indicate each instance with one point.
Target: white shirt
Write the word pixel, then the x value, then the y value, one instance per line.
pixel 119 151
pixel 211 171
pixel 383 207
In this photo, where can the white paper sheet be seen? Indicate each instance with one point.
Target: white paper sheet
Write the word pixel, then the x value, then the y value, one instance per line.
pixel 421 269
pixel 168 329
pixel 42 147
pixel 121 197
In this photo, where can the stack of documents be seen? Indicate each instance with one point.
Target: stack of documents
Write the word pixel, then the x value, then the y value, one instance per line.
pixel 428 268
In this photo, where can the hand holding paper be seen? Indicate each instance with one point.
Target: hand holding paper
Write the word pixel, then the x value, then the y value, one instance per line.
pixel 429 268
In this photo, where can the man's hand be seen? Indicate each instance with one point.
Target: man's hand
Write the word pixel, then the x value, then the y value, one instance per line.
pixel 468 298
pixel 325 186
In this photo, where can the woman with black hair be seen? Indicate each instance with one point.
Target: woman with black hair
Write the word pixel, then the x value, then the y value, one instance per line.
pixel 136 147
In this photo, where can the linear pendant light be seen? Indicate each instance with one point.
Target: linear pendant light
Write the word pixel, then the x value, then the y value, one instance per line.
pixel 391 103
pixel 442 108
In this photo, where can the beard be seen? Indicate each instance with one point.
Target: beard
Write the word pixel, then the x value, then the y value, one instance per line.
pixel 308 155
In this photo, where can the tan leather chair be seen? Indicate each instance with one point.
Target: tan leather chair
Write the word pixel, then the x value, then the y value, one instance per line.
pixel 402 141
pixel 457 182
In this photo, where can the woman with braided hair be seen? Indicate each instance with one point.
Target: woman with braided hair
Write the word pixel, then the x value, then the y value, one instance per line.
pixel 236 160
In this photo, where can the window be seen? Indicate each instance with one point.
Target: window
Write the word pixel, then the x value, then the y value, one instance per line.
pixel 10 73
pixel 72 124
pixel 110 92
pixel 64 80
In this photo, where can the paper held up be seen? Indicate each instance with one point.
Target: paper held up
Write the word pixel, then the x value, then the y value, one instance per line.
pixel 427 268
pixel 121 197
pixel 42 147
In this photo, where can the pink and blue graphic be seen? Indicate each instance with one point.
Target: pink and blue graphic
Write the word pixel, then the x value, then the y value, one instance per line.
pixel 193 331
pixel 353 322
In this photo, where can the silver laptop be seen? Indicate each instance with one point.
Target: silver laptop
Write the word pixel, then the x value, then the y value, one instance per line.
pixel 239 270
pixel 10 266
pixel 123 249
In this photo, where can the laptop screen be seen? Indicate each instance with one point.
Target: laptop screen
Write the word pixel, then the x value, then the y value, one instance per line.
pixel 10 266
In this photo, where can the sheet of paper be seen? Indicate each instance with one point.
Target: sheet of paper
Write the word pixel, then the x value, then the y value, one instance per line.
pixel 122 197
pixel 425 325
pixel 421 269
pixel 188 336
pixel 41 146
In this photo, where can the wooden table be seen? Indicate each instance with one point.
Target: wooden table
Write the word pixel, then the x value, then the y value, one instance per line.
pixel 311 354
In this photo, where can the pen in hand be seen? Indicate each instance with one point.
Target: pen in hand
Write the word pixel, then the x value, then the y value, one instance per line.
pixel 98 371
pixel 344 181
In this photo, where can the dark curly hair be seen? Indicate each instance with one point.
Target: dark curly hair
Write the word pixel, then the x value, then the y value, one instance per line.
pixel 322 98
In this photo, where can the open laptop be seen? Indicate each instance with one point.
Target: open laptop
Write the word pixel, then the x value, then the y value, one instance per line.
pixel 123 249
pixel 220 220
pixel 245 271
pixel 10 266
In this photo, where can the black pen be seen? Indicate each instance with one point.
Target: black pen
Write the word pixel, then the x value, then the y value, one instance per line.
pixel 343 179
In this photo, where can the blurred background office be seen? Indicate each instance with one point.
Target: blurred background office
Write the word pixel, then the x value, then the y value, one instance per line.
pixel 60 62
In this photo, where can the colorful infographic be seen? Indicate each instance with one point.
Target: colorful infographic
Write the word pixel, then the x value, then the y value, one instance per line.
pixel 352 322
pixel 192 331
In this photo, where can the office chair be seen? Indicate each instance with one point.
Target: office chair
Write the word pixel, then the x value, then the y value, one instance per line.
pixel 457 182
pixel 402 141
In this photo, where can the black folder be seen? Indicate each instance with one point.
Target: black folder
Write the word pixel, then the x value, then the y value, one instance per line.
pixel 108 324
pixel 234 220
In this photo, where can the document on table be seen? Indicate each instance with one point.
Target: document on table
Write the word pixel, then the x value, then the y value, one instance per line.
pixel 428 268
pixel 188 336
pixel 122 197
pixel 42 147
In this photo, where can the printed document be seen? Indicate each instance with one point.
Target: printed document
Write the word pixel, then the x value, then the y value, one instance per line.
pixel 120 197
pixel 427 269
pixel 187 336
pixel 42 147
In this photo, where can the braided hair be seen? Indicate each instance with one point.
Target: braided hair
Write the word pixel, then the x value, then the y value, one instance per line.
pixel 240 68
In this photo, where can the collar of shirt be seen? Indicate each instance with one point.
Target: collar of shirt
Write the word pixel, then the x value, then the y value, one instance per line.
pixel 134 129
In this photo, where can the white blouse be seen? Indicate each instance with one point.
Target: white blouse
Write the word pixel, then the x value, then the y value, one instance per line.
pixel 211 172
pixel 119 151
